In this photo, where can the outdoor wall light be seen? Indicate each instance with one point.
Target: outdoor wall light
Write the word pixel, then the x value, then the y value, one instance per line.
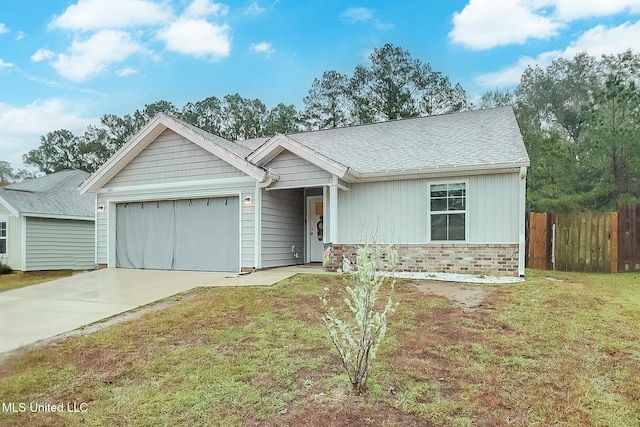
pixel 100 208
pixel 248 201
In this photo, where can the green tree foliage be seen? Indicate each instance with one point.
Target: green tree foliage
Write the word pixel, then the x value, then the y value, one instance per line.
pixel 6 173
pixel 496 98
pixel 327 104
pixel 580 122
pixel 397 86
pixel 282 119
pixel 358 337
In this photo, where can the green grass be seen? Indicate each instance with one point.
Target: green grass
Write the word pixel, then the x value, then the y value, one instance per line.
pixel 18 280
pixel 562 352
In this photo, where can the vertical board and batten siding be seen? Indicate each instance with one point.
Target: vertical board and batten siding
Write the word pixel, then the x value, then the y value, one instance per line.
pixel 59 244
pixel 282 227
pixel 297 172
pixel 397 211
pixel 172 158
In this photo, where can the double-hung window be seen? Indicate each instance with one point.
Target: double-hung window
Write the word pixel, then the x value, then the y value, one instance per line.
pixel 448 207
pixel 3 237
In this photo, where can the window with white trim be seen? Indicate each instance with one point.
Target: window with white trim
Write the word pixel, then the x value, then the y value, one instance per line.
pixel 3 237
pixel 448 210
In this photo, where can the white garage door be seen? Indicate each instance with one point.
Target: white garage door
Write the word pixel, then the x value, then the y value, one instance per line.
pixel 198 234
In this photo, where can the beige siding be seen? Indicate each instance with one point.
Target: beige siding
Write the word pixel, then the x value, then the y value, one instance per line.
pixel 282 227
pixel 397 211
pixel 248 231
pixel 172 158
pixel 59 244
pixel 297 172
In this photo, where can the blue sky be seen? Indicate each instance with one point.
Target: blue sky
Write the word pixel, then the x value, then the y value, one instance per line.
pixel 65 63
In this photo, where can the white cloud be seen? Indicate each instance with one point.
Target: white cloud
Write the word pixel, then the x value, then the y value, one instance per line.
pixel 597 41
pixel 99 14
pixel 569 10
pixel 197 37
pixel 204 8
pixel 357 14
pixel 364 15
pixel 254 9
pixel 484 24
pixel 3 28
pixel 262 47
pixel 89 57
pixel 42 55
pixel 21 127
pixel 127 71
pixel 4 64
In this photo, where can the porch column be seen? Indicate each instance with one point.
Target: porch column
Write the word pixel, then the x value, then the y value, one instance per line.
pixel 333 213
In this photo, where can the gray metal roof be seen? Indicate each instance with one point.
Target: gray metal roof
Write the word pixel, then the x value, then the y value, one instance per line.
pixel 457 140
pixel 55 194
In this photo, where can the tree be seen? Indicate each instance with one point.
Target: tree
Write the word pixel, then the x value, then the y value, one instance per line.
pixel 496 98
pixel 554 98
pixel 327 105
pixel 59 150
pixel 206 114
pixel 610 149
pixel 6 173
pixel 357 339
pixel 282 119
pixel 243 118
pixel 397 86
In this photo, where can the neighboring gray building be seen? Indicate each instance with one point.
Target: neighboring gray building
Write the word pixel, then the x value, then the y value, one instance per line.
pixel 46 224
pixel 448 191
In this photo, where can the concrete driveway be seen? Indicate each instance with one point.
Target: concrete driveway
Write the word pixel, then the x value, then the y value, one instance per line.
pixel 37 312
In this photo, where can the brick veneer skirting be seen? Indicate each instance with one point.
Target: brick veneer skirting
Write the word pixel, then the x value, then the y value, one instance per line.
pixel 495 259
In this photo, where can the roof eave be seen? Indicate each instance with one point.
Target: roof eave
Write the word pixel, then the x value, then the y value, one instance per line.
pixel 483 169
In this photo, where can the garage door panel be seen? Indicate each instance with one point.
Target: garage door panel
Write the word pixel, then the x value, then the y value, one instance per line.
pixel 197 234
pixel 207 234
pixel 144 235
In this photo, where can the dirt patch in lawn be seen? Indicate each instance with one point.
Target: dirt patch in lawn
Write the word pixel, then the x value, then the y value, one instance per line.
pixel 467 296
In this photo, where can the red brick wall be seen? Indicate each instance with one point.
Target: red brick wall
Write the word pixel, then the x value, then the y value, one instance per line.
pixel 466 258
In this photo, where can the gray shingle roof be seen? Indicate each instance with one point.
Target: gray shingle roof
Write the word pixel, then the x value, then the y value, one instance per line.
pixel 55 194
pixel 472 138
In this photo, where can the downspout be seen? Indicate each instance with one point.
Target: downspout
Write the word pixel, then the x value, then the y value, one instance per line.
pixel 522 212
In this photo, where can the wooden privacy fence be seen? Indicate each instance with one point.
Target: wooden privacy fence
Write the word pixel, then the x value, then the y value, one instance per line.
pixel 585 241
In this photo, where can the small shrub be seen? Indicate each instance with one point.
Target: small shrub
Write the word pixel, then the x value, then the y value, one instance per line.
pixel 358 338
pixel 4 268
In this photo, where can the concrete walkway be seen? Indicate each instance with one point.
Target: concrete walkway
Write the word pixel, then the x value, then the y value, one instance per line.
pixel 38 312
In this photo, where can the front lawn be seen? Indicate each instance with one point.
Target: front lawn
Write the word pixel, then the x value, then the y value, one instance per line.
pixel 18 280
pixel 564 351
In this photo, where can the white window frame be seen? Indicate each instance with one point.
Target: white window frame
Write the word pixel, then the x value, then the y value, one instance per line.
pixel 464 211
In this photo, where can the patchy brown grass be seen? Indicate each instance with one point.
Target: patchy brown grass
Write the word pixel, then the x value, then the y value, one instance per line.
pixel 17 280
pixel 564 351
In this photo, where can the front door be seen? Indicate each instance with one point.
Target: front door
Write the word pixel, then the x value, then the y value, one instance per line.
pixel 314 229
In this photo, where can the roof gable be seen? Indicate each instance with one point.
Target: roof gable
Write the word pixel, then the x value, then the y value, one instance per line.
pixel 219 147
pixel 279 143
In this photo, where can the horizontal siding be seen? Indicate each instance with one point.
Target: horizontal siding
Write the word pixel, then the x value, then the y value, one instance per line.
pixel 58 244
pixel 101 231
pixel 297 172
pixel 248 231
pixel 172 158
pixel 397 211
pixel 282 227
